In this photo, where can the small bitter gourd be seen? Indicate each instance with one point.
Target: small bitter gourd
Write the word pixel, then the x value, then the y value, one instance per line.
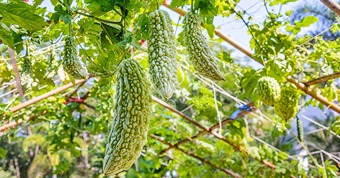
pixel 71 62
pixel 26 72
pixel 299 129
pixel 200 55
pixel 132 106
pixel 287 105
pixel 162 53
pixel 268 90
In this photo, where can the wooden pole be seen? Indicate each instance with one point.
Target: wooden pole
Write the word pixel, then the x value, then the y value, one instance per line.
pixel 46 95
pixel 332 5
pixel 16 72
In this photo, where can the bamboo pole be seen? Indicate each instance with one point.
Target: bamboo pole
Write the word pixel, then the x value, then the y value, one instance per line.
pixel 298 84
pixel 16 72
pixel 46 95
pixel 332 5
pixel 20 121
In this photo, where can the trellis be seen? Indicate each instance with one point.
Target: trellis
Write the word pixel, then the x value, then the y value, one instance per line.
pixel 204 130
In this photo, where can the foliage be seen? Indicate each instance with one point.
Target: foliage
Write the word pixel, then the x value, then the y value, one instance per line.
pixel 65 134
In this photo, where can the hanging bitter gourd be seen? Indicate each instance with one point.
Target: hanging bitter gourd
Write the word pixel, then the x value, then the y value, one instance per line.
pixel 162 53
pixel 200 55
pixel 268 90
pixel 71 62
pixel 299 129
pixel 26 72
pixel 287 106
pixel 132 106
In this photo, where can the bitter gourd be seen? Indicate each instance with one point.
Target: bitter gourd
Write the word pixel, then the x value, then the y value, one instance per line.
pixel 200 55
pixel 71 62
pixel 26 72
pixel 299 129
pixel 128 133
pixel 268 90
pixel 162 54
pixel 287 105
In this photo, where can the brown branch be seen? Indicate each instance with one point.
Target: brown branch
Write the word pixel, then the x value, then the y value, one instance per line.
pixel 16 72
pixel 298 84
pixel 332 5
pixel 322 79
pixel 229 172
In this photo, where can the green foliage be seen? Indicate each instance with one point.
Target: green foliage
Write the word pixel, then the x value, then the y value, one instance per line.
pixel 66 136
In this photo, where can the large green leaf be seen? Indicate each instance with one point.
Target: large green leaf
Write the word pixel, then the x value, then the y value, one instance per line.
pixel 23 15
pixel 5 35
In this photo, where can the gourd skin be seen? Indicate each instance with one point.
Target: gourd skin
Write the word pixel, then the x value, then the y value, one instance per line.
pixel 200 55
pixel 287 105
pixel 132 106
pixel 268 90
pixel 162 53
pixel 71 63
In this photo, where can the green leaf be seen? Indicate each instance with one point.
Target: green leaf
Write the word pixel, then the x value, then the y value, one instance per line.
pixel 54 2
pixel 23 15
pixel 276 2
pixel 3 153
pixel 33 140
pixel 110 34
pixel 66 18
pixel 5 35
pixel 306 21
pixel 207 9
pixel 37 2
pixel 210 28
pixel 178 3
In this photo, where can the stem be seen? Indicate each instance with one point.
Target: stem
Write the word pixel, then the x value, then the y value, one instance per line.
pixel 99 19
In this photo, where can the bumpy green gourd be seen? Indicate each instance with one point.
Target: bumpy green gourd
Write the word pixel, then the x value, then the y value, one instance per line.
pixel 162 54
pixel 26 72
pixel 26 66
pixel 299 129
pixel 287 105
pixel 200 55
pixel 268 90
pixel 71 62
pixel 132 106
